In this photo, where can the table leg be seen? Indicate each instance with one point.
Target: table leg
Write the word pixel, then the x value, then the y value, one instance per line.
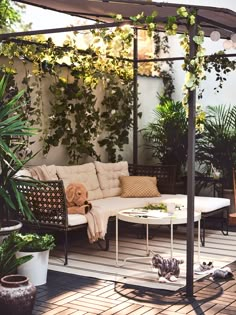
pixel 147 241
pixel 199 239
pixel 171 239
pixel 117 248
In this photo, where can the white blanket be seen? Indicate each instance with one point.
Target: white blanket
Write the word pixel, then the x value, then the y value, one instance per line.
pixel 97 223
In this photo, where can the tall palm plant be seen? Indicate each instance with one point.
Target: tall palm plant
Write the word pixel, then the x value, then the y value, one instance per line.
pixel 13 130
pixel 167 135
pixel 217 145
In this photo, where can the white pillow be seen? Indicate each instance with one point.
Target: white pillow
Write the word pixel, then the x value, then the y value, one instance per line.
pixel 85 174
pixel 108 176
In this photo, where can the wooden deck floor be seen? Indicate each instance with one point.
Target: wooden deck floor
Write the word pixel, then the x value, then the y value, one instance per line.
pixel 71 294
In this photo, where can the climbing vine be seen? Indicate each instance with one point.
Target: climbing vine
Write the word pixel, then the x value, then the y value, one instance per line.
pixel 222 66
pixel 162 45
pixel 75 120
pixel 117 79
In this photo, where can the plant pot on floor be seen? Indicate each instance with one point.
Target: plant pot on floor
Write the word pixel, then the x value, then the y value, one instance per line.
pixel 38 246
pixel 17 295
pixel 35 269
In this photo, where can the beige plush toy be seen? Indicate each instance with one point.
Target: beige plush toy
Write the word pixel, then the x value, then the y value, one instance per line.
pixel 76 197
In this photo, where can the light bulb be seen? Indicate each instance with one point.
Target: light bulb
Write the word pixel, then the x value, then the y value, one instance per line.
pixel 227 44
pixel 233 38
pixel 215 36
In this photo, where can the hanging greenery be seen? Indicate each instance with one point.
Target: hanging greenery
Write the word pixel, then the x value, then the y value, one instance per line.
pixel 222 66
pixel 117 79
pixel 161 44
pixel 73 108
pixel 75 121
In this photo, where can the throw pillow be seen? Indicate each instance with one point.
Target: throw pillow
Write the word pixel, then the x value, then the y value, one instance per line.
pixel 139 186
pixel 108 177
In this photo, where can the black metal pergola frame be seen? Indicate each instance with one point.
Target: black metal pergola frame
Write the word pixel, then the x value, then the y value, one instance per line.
pixel 192 31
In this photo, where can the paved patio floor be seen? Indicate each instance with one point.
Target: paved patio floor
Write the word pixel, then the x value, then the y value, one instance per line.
pixel 71 294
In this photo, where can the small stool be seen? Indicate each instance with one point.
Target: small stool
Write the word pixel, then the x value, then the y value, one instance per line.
pixel 232 219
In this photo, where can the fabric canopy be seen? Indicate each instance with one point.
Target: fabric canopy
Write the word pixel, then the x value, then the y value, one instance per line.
pixel 210 18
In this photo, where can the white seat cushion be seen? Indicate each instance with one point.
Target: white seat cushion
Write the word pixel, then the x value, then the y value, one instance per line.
pixel 114 204
pixel 202 204
pixel 76 219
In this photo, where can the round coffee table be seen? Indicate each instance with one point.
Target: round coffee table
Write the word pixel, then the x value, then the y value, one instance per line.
pixel 154 217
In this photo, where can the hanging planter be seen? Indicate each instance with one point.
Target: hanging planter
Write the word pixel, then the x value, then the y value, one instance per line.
pixel 17 295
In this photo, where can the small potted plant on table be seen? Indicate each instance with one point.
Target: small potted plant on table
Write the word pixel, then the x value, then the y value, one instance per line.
pixel 38 246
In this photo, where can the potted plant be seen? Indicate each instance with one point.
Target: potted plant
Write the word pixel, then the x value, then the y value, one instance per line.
pixel 14 129
pixel 38 246
pixel 15 290
pixel 8 260
pixel 216 148
pixel 167 135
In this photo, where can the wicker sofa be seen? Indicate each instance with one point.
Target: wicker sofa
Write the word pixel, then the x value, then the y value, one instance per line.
pixel 48 201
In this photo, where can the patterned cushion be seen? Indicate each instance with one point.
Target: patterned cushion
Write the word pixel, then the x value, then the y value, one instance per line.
pixel 139 186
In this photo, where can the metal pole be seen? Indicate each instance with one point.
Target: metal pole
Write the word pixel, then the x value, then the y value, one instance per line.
pixel 135 97
pixel 64 29
pixel 191 173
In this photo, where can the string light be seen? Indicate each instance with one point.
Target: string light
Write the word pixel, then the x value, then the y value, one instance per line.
pixel 227 44
pixel 233 38
pixel 215 36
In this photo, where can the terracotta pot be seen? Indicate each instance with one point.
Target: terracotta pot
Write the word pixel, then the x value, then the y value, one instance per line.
pixel 17 295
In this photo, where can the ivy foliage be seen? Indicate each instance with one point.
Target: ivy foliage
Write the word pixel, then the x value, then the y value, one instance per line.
pixel 161 45
pixel 10 16
pixel 75 119
pixel 222 66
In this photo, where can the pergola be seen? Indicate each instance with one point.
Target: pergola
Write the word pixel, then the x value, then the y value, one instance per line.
pixel 209 18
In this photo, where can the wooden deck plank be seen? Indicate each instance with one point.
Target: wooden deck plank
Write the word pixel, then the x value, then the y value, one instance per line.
pixel 66 293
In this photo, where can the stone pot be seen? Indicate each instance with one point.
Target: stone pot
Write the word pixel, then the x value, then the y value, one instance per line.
pixel 6 229
pixel 17 295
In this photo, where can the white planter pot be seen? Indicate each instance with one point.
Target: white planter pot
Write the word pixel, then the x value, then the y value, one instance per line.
pixel 35 269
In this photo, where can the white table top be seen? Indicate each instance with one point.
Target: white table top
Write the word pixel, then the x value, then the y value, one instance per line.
pixel 143 216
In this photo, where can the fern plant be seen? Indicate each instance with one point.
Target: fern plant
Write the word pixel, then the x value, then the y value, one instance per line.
pixel 167 135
